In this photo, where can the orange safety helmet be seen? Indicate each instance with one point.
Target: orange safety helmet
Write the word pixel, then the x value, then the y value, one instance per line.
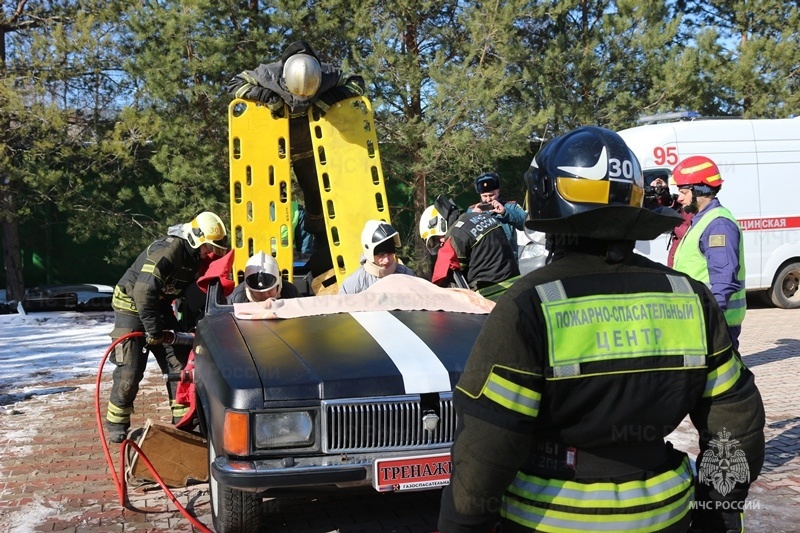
pixel 697 170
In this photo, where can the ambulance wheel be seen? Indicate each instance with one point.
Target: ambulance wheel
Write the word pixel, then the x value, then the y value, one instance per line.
pixel 232 510
pixel 785 290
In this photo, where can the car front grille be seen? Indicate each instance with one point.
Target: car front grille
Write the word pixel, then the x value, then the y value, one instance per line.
pixel 395 423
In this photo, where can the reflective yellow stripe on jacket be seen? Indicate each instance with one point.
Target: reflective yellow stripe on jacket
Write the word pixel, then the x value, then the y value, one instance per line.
pixel 723 378
pixel 512 395
pixel 557 506
pixel 122 302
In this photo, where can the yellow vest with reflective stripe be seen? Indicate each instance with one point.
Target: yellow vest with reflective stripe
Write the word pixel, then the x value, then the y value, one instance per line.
pixel 690 260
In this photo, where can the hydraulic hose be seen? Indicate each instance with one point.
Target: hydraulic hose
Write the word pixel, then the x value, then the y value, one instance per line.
pixel 119 479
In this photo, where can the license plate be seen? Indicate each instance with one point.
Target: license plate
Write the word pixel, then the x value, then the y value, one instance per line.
pixel 411 473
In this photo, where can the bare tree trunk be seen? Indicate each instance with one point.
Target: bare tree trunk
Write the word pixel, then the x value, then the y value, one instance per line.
pixel 12 259
pixel 12 263
pixel 413 113
pixel 420 203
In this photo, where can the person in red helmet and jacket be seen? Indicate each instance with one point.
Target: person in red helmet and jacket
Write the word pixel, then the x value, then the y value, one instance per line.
pixel 712 250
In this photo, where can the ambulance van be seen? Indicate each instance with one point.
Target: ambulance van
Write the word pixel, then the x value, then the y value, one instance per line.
pixel 759 161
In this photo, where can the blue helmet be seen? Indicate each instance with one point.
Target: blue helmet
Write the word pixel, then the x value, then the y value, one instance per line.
pixel 589 183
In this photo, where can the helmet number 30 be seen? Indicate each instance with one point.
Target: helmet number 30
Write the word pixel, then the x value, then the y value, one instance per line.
pixel 617 168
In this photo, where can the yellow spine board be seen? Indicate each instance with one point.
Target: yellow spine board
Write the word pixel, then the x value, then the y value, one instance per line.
pixel 350 178
pixel 260 185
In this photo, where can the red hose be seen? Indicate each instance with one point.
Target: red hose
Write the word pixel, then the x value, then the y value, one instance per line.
pixel 119 481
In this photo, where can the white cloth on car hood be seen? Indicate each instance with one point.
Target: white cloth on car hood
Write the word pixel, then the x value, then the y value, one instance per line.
pixel 391 293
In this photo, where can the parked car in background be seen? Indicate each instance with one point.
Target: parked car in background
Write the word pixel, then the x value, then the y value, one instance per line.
pixel 80 297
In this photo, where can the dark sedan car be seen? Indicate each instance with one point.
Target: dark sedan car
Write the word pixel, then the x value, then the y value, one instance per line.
pixel 357 393
pixel 80 297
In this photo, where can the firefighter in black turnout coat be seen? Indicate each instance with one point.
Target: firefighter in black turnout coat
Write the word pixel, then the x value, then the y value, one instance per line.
pixel 587 364
pixel 143 302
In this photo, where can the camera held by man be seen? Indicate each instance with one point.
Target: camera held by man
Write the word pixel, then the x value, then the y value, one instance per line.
pixel 657 194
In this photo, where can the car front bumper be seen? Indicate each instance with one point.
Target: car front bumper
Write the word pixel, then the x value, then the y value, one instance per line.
pixel 340 471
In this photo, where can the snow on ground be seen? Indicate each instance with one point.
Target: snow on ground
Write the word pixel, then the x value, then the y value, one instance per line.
pixel 26 520
pixel 37 352
pixel 39 349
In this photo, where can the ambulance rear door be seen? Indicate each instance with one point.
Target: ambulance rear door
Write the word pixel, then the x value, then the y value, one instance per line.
pixel 778 150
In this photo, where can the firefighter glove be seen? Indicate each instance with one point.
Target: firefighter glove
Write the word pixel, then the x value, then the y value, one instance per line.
pixel 158 338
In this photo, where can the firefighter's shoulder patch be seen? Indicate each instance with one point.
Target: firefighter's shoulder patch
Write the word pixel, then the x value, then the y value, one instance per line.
pixel 716 241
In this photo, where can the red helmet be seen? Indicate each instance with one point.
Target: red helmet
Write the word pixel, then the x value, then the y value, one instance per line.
pixel 696 170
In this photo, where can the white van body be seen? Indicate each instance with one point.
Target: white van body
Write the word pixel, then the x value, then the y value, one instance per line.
pixel 759 161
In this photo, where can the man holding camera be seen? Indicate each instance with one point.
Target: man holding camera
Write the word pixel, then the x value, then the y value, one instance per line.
pixel 658 196
pixel 509 214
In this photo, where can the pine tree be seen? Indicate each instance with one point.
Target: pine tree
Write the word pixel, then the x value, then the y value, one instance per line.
pixel 115 116
pixel 749 52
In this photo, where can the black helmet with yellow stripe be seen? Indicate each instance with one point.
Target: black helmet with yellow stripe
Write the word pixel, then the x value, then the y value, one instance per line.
pixel 588 183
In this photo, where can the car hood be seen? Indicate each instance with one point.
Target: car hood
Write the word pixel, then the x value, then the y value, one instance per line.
pixel 375 353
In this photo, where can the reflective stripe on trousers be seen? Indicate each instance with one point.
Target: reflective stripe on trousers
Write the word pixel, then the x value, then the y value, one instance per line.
pixel 118 415
pixel 179 410
pixel 556 506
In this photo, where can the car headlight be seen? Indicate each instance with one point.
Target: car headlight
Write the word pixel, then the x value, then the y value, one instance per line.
pixel 281 430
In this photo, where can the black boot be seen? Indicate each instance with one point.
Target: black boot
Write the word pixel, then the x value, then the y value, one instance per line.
pixel 116 433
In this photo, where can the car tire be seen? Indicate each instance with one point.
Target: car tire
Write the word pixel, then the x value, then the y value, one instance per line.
pixel 232 511
pixel 785 290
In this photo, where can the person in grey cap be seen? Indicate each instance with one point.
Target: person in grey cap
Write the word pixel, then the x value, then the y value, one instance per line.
pixel 587 364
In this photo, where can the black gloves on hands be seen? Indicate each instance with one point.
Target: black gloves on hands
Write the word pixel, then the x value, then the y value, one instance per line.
pixel 154 340
pixel 169 337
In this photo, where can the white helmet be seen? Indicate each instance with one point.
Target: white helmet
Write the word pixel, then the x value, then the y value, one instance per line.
pixel 379 237
pixel 206 228
pixel 262 273
pixel 432 225
pixel 302 75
